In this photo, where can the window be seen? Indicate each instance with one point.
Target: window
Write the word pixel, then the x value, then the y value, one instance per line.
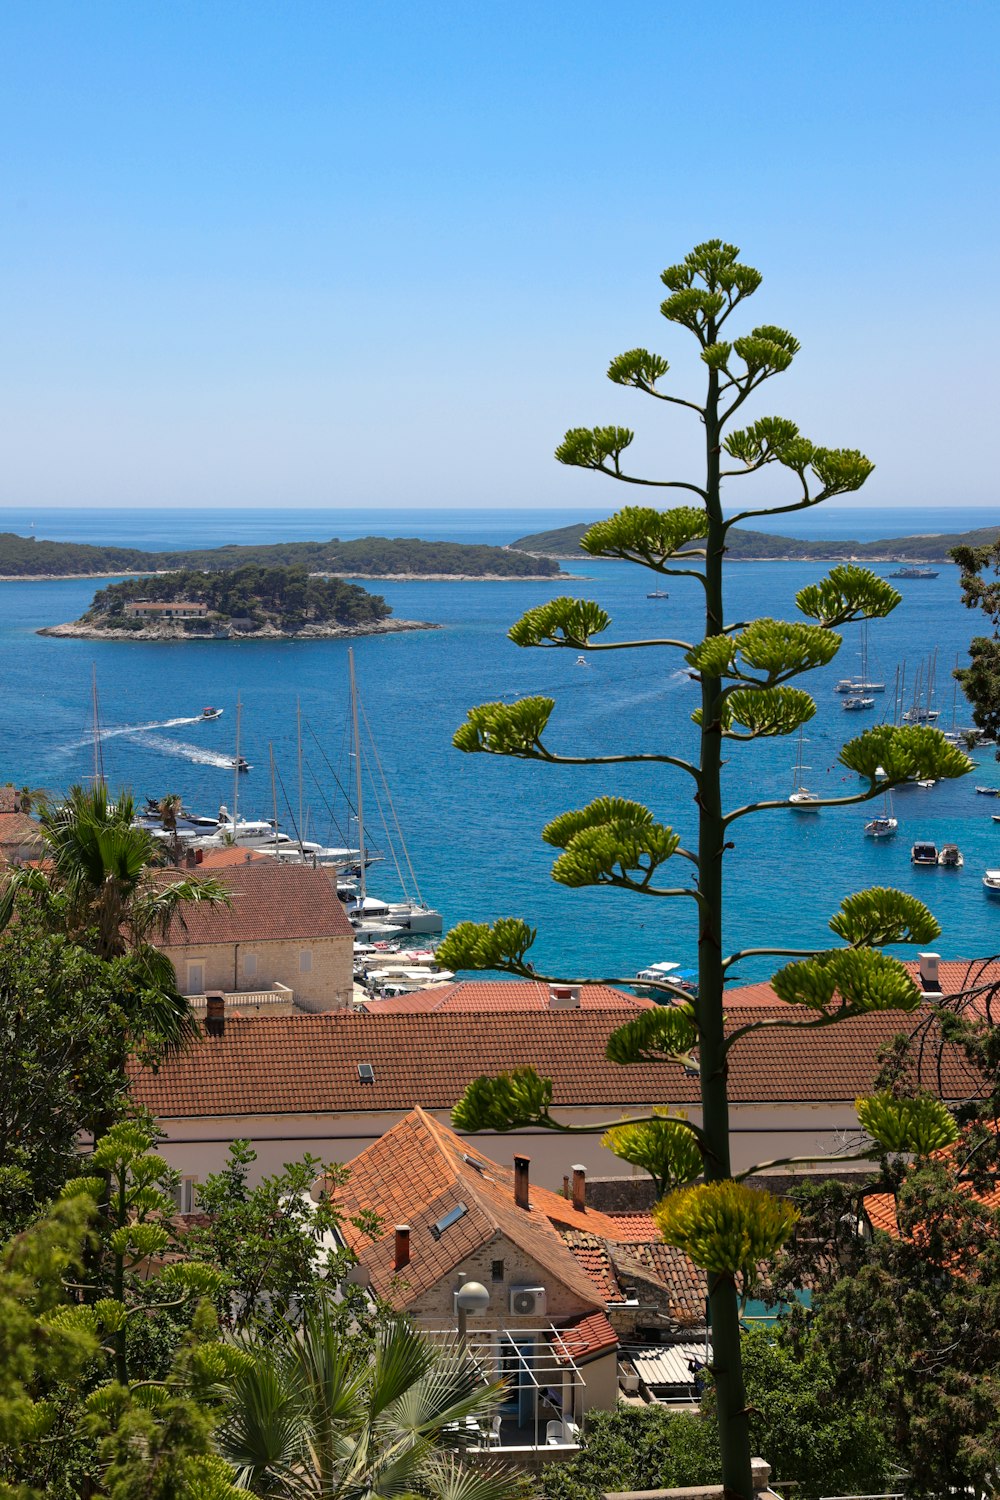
pixel 447 1220
pixel 305 961
pixel 250 965
pixel 196 979
pixel 497 1270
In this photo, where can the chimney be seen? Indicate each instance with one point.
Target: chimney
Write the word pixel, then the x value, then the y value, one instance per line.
pixel 189 858
pixel 401 1257
pixel 566 1186
pixel 580 1189
pixel 564 997
pixel 929 979
pixel 215 1013
pixel 521 1165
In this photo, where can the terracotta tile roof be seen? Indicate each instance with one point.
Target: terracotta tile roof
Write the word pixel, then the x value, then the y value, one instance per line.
pixel 18 828
pixel 10 799
pixel 501 995
pixel 614 1267
pixel 417 1173
pixel 584 1338
pixel 955 975
pixel 309 1064
pixel 270 902
pixel 684 1282
pixel 220 859
pixel 632 1229
pixel 593 1255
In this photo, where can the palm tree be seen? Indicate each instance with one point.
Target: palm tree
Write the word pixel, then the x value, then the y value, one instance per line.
pixel 317 1413
pixel 95 884
pixel 169 810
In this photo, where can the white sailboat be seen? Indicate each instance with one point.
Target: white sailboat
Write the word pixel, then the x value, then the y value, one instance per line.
pixel 885 824
pixel 365 912
pixel 802 799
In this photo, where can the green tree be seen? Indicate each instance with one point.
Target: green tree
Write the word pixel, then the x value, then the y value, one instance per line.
pixel 62 1011
pixel 276 1248
pixel 745 672
pixel 169 809
pixel 637 1448
pixel 980 680
pixel 98 887
pixel 917 1326
pixel 315 1412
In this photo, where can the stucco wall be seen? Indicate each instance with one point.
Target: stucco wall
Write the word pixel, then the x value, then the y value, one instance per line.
pixel 326 985
pixel 762 1133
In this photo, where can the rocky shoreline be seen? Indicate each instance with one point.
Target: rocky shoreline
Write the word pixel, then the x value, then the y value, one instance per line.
pixel 79 631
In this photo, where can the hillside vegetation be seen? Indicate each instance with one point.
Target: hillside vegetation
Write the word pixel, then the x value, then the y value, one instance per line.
pixel 286 598
pixel 371 557
pixel 746 545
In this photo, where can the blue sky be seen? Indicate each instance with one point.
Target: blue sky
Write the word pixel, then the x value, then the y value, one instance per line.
pixel 361 253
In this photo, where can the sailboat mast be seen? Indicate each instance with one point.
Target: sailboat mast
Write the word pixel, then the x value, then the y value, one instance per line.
pixel 98 750
pixel 236 767
pixel 274 797
pixel 298 731
pixel 357 769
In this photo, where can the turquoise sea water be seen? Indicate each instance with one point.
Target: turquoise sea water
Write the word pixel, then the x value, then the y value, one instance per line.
pixel 473 822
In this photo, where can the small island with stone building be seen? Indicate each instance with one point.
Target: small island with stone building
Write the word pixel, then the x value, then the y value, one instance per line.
pixel 249 602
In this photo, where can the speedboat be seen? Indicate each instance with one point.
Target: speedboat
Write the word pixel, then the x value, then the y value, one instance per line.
pixel 581 661
pixel 988 791
pixel 239 763
pixel 855 705
pixel 951 857
pixel 924 854
pixel 991 882
pixel 211 713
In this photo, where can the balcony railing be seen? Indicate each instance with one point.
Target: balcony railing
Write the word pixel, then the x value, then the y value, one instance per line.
pixel 277 997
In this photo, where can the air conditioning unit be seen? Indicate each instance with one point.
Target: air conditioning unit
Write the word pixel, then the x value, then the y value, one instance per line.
pixel 527 1301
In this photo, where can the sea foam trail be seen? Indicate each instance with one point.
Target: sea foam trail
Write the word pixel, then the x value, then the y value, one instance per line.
pixel 194 753
pixel 117 729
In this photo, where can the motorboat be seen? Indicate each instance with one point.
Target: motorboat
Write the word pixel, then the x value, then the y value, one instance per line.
pixel 988 791
pixel 581 661
pixel 856 705
pixel 924 854
pixel 950 857
pixel 658 594
pixel 211 713
pixel 991 882
pixel 666 972
pixel 921 715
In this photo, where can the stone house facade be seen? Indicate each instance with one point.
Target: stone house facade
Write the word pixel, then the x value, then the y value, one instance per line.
pixel 284 926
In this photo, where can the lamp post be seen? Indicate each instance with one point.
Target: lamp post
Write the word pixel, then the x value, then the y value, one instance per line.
pixel 471 1297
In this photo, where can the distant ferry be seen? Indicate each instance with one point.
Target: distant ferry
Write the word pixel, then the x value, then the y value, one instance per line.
pixel 914 573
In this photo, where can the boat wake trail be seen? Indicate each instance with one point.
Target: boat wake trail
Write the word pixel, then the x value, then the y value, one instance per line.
pixel 196 754
pixel 118 729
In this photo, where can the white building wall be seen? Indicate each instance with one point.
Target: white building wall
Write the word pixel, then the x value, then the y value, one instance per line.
pixel 762 1133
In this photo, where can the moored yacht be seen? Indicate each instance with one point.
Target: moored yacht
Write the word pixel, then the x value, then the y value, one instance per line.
pixel 923 853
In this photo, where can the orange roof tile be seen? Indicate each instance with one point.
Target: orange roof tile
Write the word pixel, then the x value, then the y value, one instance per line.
pixel 270 902
pixel 500 995
pixel 416 1174
pixel 585 1338
pixel 309 1063
pixel 18 828
pixel 633 1229
pixel 220 859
